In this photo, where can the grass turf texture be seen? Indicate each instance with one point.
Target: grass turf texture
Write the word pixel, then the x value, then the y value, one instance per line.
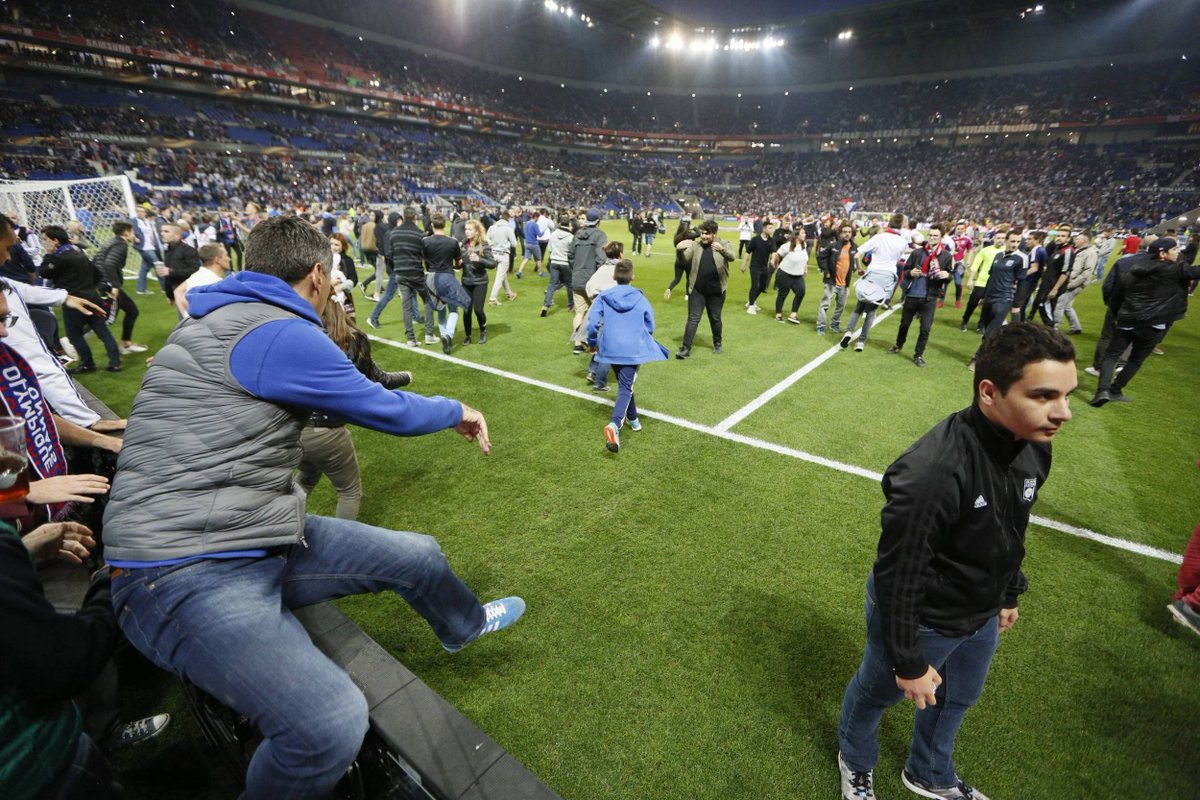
pixel 695 605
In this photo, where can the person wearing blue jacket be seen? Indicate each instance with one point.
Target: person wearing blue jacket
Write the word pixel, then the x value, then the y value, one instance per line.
pixel 205 527
pixel 620 329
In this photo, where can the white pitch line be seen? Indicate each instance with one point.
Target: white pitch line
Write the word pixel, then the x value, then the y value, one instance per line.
pixel 786 383
pixel 783 450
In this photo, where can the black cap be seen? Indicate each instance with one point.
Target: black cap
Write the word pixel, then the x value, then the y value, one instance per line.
pixel 1162 245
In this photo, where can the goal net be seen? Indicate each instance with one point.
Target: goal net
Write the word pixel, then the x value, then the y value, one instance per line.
pixel 95 204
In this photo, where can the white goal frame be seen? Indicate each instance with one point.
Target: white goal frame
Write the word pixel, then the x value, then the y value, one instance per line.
pixel 95 203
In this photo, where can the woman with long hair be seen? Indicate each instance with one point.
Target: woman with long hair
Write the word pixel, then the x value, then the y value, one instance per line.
pixel 325 443
pixel 345 274
pixel 477 260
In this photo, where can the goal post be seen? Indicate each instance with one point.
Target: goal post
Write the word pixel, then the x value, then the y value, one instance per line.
pixel 94 203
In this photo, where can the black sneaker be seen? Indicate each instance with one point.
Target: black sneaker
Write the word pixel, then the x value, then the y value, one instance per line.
pixel 684 352
pixel 447 344
pixel 113 368
pixel 80 369
pixel 1117 396
pixel 482 337
pixel 1100 399
pixel 600 389
pixel 545 310
pixel 961 790
pixel 134 732
pixel 846 340
pixel 856 785
pixel 717 349
pixel 590 377
pixel 920 362
pixel 466 340
pixel 578 349
pixel 963 328
pixel 894 349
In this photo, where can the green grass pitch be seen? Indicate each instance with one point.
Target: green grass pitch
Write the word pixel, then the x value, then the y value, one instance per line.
pixel 695 603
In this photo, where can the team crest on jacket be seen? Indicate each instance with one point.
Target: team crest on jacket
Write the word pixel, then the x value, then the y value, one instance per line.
pixel 1030 489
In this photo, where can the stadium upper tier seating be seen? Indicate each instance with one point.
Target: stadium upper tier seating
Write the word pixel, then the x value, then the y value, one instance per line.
pixel 216 30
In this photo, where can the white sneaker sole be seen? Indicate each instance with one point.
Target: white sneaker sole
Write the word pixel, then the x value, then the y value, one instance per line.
pixel 1182 620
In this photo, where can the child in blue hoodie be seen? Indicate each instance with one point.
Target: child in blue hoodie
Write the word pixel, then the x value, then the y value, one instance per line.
pixel 620 329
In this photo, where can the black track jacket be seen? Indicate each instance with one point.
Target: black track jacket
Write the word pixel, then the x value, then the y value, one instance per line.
pixel 958 502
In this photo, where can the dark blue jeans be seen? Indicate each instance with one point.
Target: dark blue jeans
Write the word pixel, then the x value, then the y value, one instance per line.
pixel 963 663
pixel 625 407
pixel 560 278
pixel 227 626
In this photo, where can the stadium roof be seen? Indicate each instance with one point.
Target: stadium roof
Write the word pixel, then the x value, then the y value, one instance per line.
pixel 755 12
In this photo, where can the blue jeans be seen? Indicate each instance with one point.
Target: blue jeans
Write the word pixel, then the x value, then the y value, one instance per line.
pixel 963 663
pixel 560 278
pixel 388 293
pixel 145 270
pixel 226 625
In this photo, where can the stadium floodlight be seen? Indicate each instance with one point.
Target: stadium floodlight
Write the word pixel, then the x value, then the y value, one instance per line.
pixel 844 35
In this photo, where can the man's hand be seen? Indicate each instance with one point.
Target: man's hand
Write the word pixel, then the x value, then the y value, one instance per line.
pixel 84 306
pixel 67 488
pixel 1008 618
pixel 1053 294
pixel 684 245
pixel 109 425
pixel 921 690
pixel 474 428
pixel 744 263
pixel 69 541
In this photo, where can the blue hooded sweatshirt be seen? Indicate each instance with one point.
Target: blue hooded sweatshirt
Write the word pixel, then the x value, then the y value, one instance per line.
pixel 622 321
pixel 293 362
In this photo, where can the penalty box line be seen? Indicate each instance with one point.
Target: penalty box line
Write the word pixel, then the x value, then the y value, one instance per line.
pixel 783 450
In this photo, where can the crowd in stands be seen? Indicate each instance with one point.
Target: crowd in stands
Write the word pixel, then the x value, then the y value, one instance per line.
pixel 373 161
pixel 1083 95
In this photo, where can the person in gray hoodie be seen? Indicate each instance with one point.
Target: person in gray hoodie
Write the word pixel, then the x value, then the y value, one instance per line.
pixel 584 256
pixel 561 239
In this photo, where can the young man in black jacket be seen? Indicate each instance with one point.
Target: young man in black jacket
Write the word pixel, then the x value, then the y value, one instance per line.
pixel 926 274
pixel 948 572
pixel 1144 300
pixel 70 269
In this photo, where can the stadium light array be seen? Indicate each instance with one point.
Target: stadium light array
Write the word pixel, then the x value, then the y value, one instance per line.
pixel 567 11
pixel 676 41
pixel 844 35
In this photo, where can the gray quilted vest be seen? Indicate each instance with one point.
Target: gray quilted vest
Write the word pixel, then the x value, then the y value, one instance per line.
pixel 206 467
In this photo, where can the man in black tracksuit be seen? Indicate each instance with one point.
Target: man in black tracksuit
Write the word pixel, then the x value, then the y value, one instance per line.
pixel 1144 301
pixel 948 572
pixel 401 248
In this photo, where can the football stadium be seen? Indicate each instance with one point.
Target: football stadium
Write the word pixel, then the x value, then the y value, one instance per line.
pixel 340 336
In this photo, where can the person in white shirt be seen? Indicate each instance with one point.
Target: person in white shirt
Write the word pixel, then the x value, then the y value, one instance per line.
pixel 791 265
pixel 214 263
pixel 745 233
pixel 885 249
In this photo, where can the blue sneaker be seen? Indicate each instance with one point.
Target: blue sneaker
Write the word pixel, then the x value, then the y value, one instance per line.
pixel 612 439
pixel 499 614
pixel 634 424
